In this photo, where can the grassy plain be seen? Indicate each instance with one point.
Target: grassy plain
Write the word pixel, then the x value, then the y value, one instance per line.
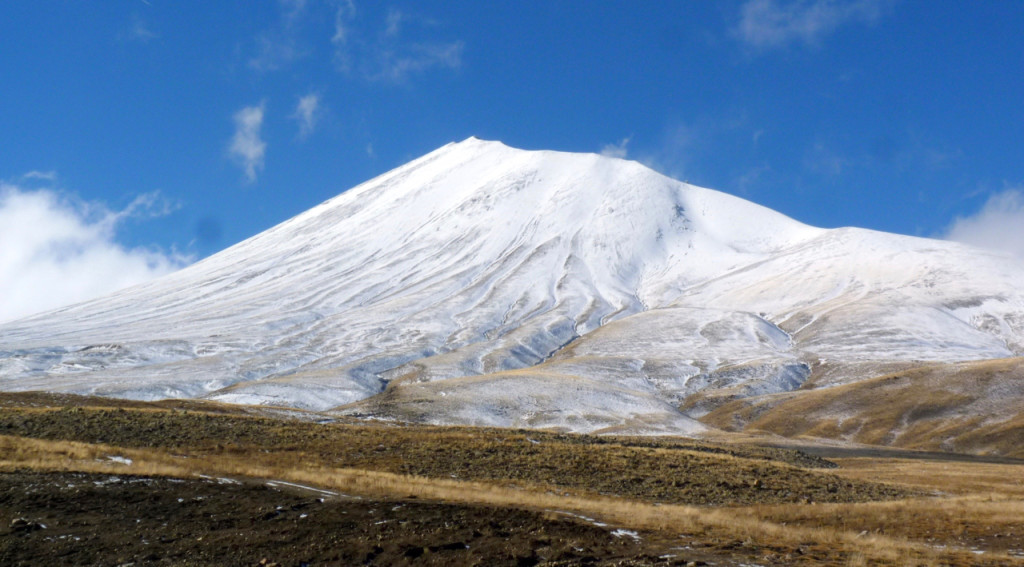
pixel 640 501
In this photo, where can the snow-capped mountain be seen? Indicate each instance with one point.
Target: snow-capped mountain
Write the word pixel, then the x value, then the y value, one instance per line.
pixel 488 285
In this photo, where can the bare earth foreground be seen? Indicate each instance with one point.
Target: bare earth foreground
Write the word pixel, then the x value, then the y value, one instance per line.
pixel 89 481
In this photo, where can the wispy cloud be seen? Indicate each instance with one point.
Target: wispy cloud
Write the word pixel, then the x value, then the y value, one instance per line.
pixel 822 160
pixel 307 114
pixel 140 31
pixel 396 62
pixel 394 23
pixel 247 147
pixel 618 150
pixel 344 14
pixel 146 205
pixel 392 49
pixel 280 45
pixel 293 10
pixel 675 151
pixel 775 23
pixel 59 251
pixel 275 52
pixel 40 175
pixel 391 55
pixel 747 181
pixel 343 17
pixel 999 225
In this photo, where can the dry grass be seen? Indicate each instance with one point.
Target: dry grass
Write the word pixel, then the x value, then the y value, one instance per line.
pixel 972 407
pixel 812 529
pixel 666 471
pixel 947 477
pixel 759 529
pixel 940 519
pixel 558 473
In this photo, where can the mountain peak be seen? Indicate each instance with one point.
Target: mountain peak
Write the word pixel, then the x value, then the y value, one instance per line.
pixel 526 288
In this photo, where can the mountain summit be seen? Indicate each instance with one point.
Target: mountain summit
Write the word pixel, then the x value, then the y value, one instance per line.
pixel 487 285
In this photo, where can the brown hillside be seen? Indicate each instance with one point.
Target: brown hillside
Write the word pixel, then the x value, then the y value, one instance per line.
pixel 970 407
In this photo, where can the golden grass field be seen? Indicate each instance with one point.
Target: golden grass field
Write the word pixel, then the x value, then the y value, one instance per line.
pixel 737 499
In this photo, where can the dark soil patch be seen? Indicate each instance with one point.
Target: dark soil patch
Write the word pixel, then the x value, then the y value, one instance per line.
pixel 84 519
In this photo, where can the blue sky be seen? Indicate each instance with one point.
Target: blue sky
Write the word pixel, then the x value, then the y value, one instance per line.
pixel 137 136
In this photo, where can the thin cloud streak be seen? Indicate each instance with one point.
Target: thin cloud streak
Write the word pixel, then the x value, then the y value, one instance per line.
pixel 281 46
pixel 823 161
pixel 247 147
pixel 394 23
pixel 140 31
pixel 275 53
pixel 343 17
pixel 294 9
pixel 390 57
pixel 399 62
pixel 41 175
pixel 770 23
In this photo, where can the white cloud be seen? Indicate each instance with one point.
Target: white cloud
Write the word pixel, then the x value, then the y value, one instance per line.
pixel 774 23
pixel 396 62
pixel 275 52
pixel 293 10
pixel 390 55
pixel 394 23
pixel 140 31
pixel 675 151
pixel 750 179
pixel 344 15
pixel 56 252
pixel 617 150
pixel 999 225
pixel 823 161
pixel 247 148
pixel 41 175
pixel 307 113
pixel 399 46
pixel 281 45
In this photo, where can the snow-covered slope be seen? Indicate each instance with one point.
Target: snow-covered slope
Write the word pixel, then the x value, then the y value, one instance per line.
pixel 485 284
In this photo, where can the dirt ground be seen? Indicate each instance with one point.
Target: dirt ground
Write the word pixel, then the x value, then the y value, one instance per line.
pixel 90 481
pixel 89 519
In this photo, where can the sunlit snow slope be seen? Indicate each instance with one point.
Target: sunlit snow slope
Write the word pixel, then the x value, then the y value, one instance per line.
pixel 488 285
